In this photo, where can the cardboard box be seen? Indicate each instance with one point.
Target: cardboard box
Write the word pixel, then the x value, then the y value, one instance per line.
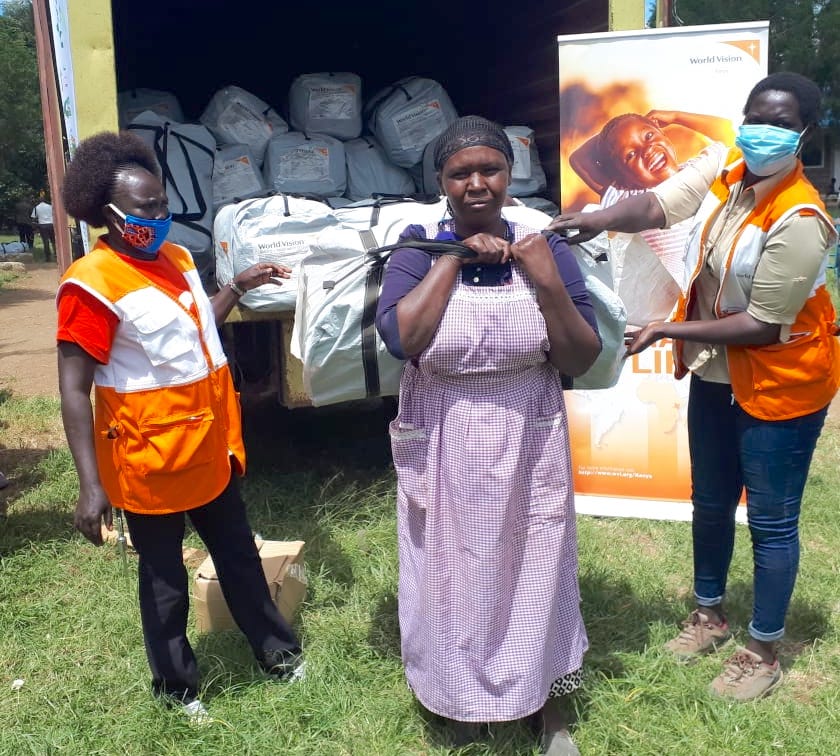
pixel 285 574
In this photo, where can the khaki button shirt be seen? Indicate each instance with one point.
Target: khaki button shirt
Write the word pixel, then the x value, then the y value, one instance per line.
pixel 792 259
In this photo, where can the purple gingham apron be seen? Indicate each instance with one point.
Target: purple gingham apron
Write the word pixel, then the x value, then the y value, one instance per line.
pixel 488 591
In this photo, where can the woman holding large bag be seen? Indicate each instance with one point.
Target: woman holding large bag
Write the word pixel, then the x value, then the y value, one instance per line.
pixel 488 593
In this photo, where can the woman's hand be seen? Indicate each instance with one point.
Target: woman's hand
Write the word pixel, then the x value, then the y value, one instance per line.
pixel 536 259
pixel 491 250
pixel 585 225
pixel 638 341
pixel 262 273
pixel 92 509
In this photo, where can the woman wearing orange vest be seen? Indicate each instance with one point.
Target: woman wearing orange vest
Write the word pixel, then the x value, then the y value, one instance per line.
pixel 164 439
pixel 756 330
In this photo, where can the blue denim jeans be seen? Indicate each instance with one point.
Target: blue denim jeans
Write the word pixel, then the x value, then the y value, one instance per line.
pixel 730 451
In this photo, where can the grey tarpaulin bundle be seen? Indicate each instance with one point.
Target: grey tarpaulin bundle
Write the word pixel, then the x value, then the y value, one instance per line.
pixel 334 334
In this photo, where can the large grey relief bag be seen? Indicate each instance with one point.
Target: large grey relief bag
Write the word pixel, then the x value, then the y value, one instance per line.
pixel 408 115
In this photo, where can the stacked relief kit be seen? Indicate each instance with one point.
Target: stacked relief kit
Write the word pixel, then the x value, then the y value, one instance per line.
pixel 277 229
pixel 242 124
pixel 407 116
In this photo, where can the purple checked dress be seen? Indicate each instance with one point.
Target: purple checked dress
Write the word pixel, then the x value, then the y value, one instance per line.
pixel 488 590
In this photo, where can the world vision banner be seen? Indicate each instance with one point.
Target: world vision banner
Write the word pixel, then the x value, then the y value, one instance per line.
pixel 635 107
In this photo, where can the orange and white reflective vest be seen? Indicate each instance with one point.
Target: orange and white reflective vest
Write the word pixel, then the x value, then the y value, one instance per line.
pixel 775 381
pixel 167 419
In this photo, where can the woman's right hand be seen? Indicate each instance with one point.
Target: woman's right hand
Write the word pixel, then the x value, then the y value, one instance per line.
pixel 491 250
pixel 585 225
pixel 92 510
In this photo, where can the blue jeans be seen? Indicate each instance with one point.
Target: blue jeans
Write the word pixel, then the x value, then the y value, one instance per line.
pixel 730 451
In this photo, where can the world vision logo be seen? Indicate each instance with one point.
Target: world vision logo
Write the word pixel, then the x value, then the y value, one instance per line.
pixel 323 150
pixel 524 140
pixel 751 47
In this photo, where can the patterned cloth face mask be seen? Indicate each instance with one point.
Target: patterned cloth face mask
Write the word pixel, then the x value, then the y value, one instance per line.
pixel 145 234
pixel 768 149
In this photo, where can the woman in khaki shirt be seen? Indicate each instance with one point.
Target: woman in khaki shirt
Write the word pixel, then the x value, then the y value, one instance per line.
pixel 756 330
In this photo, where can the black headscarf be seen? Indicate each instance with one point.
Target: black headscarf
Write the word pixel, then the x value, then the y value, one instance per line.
pixel 471 131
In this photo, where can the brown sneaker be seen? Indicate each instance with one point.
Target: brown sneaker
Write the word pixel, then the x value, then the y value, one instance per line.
pixel 698 636
pixel 745 677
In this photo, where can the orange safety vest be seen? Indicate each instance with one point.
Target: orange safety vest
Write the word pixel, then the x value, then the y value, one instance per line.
pixel 774 381
pixel 167 418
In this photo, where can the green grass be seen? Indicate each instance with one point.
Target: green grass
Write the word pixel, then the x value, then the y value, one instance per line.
pixel 69 622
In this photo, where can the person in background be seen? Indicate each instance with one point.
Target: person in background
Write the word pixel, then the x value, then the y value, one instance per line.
pixel 757 331
pixel 42 214
pixel 165 439
pixel 489 610
pixel 23 221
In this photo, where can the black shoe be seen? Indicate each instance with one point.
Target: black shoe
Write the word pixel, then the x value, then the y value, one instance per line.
pixel 283 665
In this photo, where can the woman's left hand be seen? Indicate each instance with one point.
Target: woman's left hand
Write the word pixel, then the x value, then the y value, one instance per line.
pixel 536 259
pixel 261 273
pixel 638 341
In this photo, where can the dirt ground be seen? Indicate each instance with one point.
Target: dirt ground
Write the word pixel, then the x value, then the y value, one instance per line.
pixel 27 336
pixel 27 332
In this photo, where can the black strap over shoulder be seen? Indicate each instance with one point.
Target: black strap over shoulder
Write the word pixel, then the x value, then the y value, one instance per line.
pixel 378 256
pixel 375 258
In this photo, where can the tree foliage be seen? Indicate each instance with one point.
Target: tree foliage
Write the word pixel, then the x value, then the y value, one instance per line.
pixel 22 162
pixel 803 37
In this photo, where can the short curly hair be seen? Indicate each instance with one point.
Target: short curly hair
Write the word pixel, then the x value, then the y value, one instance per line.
pixel 806 92
pixel 89 180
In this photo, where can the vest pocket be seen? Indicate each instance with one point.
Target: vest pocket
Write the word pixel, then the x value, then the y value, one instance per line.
pixel 162 340
pixel 181 441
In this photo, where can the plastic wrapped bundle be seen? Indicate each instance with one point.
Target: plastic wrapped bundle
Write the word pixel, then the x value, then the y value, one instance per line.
pixel 527 175
pixel 327 103
pixel 236 175
pixel 540 203
pixel 369 171
pixel 389 217
pixel 132 102
pixel 276 229
pixel 334 336
pixel 238 117
pixel 408 115
pixel 297 163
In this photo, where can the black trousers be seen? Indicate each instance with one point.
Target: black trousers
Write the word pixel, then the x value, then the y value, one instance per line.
pixel 26 234
pixel 164 592
pixel 47 232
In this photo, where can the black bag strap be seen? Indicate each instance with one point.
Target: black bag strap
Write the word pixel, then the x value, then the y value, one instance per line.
pixel 378 256
pixel 373 283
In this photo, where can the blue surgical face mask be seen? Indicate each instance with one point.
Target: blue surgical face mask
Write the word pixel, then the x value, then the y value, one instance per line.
pixel 145 234
pixel 768 149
